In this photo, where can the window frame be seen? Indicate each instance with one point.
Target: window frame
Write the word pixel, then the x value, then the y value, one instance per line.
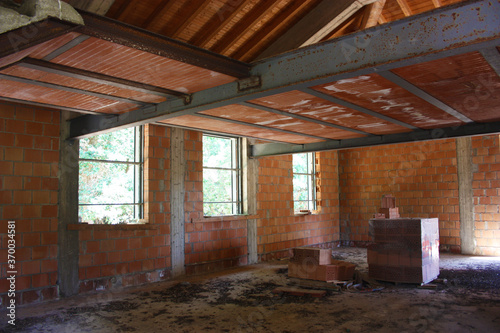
pixel 311 184
pixel 236 176
pixel 138 181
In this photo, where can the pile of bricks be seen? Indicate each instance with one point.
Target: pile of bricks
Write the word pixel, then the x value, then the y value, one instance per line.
pixel 388 208
pixel 317 264
pixel 405 250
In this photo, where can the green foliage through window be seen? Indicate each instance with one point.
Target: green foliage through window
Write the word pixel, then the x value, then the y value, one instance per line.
pixel 304 187
pixel 110 177
pixel 221 176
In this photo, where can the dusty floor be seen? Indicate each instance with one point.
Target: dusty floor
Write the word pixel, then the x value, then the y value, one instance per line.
pixel 241 300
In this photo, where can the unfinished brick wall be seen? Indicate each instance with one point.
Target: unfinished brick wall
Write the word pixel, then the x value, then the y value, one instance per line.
pixel 210 243
pixel 422 176
pixel 278 229
pixel 486 191
pixel 119 255
pixel 29 165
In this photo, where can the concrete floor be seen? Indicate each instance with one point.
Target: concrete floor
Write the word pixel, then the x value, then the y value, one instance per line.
pixel 241 300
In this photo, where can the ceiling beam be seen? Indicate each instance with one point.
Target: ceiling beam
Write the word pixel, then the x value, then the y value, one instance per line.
pixel 372 14
pixel 224 15
pixel 405 8
pixel 437 3
pixel 43 105
pixel 255 15
pixel 268 128
pixel 400 43
pixel 396 79
pixel 313 27
pixel 188 19
pixel 77 73
pixel 33 34
pixel 66 47
pixel 492 56
pixel 356 107
pixel 158 14
pixel 277 24
pixel 271 149
pixel 70 89
pixel 124 34
pixel 297 116
pixel 215 132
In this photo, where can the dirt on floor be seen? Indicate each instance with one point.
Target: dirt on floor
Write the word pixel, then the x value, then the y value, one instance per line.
pixel 466 298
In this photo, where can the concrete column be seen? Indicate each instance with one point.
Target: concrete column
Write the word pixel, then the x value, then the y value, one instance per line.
pixel 177 198
pixel 250 170
pixel 68 242
pixel 465 194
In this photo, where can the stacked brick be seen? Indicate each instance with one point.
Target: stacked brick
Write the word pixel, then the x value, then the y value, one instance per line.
pixel 317 264
pixel 405 250
pixel 388 208
pixel 29 184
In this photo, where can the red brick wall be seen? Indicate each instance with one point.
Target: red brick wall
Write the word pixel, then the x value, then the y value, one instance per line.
pixel 486 188
pixel 128 255
pixel 215 244
pixel 422 176
pixel 210 243
pixel 29 164
pixel 278 229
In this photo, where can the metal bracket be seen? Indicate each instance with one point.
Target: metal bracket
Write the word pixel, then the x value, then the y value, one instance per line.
pixel 249 83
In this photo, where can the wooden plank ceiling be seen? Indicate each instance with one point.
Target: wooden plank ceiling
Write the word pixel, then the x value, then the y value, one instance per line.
pixel 106 67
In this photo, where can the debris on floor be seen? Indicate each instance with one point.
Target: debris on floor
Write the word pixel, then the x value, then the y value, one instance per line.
pixel 242 300
pixel 299 291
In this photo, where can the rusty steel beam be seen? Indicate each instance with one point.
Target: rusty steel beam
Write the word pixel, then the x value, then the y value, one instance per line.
pixel 73 72
pixel 33 34
pixel 271 149
pixel 127 35
pixel 70 89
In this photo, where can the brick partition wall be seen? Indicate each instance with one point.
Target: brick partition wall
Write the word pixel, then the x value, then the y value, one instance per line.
pixel 278 229
pixel 117 255
pixel 422 176
pixel 210 243
pixel 29 165
pixel 486 191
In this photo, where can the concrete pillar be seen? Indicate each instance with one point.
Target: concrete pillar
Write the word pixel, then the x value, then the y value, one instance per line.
pixel 177 198
pixel 465 194
pixel 68 242
pixel 250 169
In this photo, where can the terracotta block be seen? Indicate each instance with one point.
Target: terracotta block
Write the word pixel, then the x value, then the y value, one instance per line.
pixel 388 201
pixel 316 255
pixel 390 213
pixel 338 270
